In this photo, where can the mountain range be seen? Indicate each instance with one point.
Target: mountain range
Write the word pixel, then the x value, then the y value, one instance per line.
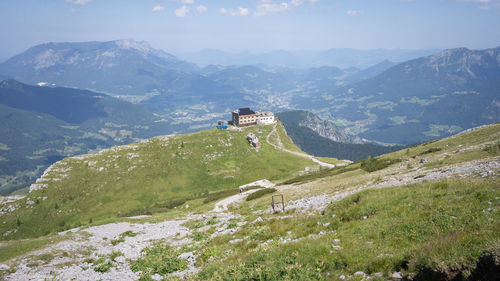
pixel 388 102
pixel 420 99
pixel 157 93
pixel 121 67
pixel 343 58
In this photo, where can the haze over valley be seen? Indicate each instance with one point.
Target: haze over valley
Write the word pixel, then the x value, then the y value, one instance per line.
pixel 258 140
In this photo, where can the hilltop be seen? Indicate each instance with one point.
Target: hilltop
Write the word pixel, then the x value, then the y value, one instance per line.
pixel 428 212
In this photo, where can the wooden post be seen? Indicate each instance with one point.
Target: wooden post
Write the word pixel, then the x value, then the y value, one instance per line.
pixel 274 203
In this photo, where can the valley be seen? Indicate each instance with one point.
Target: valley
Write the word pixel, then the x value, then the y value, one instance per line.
pixel 377 109
pixel 250 140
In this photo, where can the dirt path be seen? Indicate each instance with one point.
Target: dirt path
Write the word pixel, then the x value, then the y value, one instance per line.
pixel 280 146
pixel 238 198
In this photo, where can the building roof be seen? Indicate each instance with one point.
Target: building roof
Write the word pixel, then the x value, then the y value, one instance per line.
pixel 264 113
pixel 245 111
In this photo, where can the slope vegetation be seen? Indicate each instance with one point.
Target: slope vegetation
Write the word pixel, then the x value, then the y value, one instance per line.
pixel 41 125
pixel 155 175
pixel 428 212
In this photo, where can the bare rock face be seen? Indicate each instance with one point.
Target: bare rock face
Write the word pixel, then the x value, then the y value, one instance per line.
pixel 326 128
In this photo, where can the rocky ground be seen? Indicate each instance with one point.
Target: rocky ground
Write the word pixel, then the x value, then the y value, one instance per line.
pixel 71 258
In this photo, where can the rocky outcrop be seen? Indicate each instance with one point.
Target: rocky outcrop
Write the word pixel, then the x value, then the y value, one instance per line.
pixel 327 129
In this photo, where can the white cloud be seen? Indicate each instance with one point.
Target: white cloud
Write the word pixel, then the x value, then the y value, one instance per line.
pixel 158 8
pixel 78 2
pixel 484 4
pixel 240 12
pixel 300 2
pixel 265 7
pixel 201 9
pixel 187 1
pixel 182 11
pixel 354 12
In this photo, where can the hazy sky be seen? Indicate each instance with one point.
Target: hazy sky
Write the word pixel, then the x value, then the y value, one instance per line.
pixel 186 25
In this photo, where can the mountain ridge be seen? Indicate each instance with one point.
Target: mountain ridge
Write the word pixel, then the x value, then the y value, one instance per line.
pixel 124 66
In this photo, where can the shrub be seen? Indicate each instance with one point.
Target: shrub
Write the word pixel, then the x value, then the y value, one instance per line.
pixel 210 197
pixel 115 254
pixel 493 148
pixel 103 267
pixel 321 174
pixel 220 194
pixel 159 259
pixel 430 150
pixel 260 193
pixel 375 164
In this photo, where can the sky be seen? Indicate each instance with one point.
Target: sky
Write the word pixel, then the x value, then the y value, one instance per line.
pixel 189 25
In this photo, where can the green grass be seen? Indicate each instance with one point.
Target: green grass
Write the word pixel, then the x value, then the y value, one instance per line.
pixel 421 228
pixel 330 160
pixel 149 177
pixel 158 259
pixel 122 236
pixel 15 248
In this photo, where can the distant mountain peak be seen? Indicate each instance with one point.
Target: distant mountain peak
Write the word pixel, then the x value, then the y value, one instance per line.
pixel 120 66
pixel 132 44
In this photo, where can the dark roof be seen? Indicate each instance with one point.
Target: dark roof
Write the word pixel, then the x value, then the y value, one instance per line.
pixel 245 111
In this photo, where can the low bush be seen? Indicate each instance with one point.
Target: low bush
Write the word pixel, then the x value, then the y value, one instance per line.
pixel 430 150
pixel 220 194
pixel 321 174
pixel 226 193
pixel 260 193
pixel 375 164
pixel 104 267
pixel 493 148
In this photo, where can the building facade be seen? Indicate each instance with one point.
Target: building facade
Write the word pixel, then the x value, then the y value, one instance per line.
pixel 244 117
pixel 265 117
pixel 247 117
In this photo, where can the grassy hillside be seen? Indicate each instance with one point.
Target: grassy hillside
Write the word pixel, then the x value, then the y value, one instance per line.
pixel 40 125
pixel 439 229
pixel 428 212
pixel 155 175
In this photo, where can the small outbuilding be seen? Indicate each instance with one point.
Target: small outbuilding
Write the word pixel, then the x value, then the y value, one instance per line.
pixel 253 140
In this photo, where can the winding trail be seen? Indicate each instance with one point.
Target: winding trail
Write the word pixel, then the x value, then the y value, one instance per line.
pixel 280 146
